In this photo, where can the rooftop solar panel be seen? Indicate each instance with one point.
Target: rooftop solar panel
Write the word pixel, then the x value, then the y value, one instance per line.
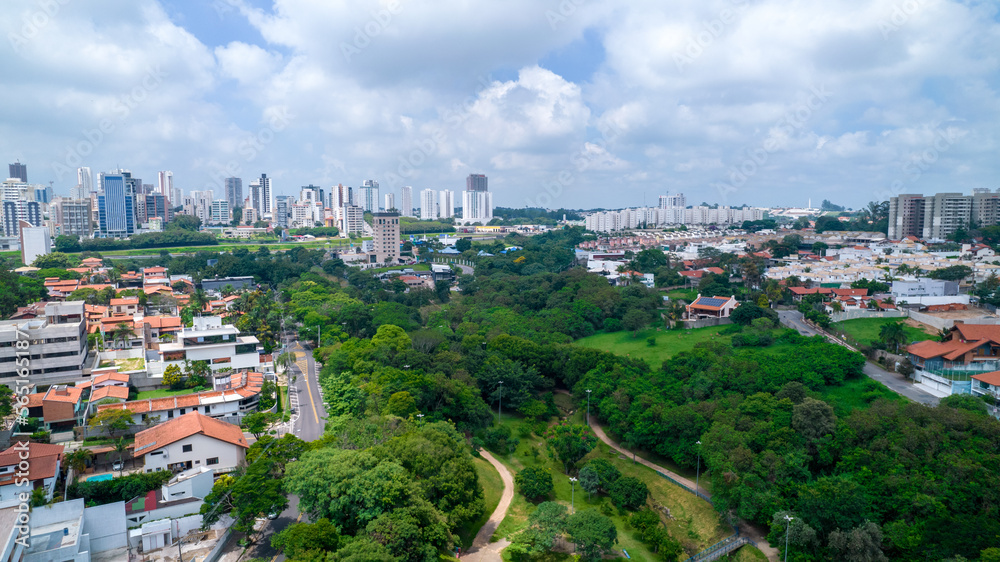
pixel 709 301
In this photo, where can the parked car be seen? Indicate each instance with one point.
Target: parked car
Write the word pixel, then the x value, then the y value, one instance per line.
pixel 117 466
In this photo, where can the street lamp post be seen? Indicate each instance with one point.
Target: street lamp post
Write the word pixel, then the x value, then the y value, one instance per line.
pixel 572 497
pixel 588 406
pixel 788 527
pixel 421 416
pixel 697 477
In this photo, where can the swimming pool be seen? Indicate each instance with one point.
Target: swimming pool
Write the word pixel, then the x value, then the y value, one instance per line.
pixel 100 477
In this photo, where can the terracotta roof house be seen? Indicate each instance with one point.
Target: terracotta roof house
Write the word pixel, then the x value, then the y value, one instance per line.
pixel 64 406
pixel 43 462
pixel 987 384
pixel 711 307
pixel 234 393
pixel 191 441
pixel 967 345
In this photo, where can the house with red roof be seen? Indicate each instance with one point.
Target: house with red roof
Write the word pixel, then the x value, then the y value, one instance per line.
pixel 711 307
pixel 190 441
pixel 966 345
pixel 987 385
pixel 64 406
pixel 43 463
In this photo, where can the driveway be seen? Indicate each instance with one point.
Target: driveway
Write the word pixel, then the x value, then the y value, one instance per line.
pixel 893 381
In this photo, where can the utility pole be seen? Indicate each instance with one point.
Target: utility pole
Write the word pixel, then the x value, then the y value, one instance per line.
pixel 572 497
pixel 788 527
pixel 697 477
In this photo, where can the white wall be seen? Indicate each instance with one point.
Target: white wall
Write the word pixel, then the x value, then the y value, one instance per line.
pixel 203 448
pixel 106 526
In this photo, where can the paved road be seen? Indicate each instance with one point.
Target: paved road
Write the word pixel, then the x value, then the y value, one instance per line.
pixel 894 381
pixel 482 549
pixel 752 532
pixel 309 419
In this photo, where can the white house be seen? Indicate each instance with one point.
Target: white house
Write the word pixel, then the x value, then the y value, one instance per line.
pixel 42 461
pixel 209 340
pixel 192 440
pixel 233 394
pixel 182 495
pixel 711 307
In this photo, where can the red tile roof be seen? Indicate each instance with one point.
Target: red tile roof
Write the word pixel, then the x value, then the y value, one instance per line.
pixel 969 332
pixel 43 460
pixel 60 393
pixel 160 436
pixel 119 392
pixel 111 376
pixel 850 292
pixel 950 350
pixel 991 378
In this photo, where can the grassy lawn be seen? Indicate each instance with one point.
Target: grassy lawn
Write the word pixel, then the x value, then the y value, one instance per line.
pixel 683 294
pixel 146 394
pixel 865 330
pixel 489 478
pixel 414 267
pixel 692 521
pixel 857 393
pixel 668 343
pixel 282 399
pixel 126 365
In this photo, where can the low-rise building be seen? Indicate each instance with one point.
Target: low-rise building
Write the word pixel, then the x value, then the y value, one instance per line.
pixel 233 394
pixel 192 440
pixel 43 462
pixel 711 307
pixel 209 340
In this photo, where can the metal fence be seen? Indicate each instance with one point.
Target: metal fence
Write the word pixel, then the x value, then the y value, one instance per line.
pixel 721 548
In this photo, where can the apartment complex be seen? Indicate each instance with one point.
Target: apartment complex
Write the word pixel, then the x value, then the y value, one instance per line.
pixel 652 217
pixel 940 215
pixel 386 239
pixel 56 345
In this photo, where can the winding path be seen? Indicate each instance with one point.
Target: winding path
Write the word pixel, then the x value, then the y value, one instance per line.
pixel 747 529
pixel 482 549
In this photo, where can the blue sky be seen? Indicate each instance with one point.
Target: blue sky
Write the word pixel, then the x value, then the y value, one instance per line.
pixel 562 103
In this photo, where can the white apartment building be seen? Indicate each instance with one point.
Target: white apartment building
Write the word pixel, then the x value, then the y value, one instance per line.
pixel 428 204
pixel 390 201
pixel 447 207
pixel 57 345
pixel 406 203
pixel 209 340
pixel 35 241
pixel 354 220
pixel 477 207
pixel 650 217
pixel 219 212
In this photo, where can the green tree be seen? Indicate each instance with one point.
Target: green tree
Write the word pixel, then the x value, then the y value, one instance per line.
pixel 257 423
pixel 351 488
pixel 77 460
pixel 592 533
pixel 607 473
pixel 121 449
pixel 629 493
pixel 413 533
pixel 6 401
pixel 534 482
pixel 285 360
pixel 123 334
pixel 463 244
pixel 571 442
pixel 892 334
pixel 247 496
pixel 520 382
pixel 861 544
pixel 300 538
pixel 401 404
pixel 113 419
pixel 545 523
pixel 634 320
pixel 172 376
pixel 813 419
pixel 590 480
pixel 951 273
pixel 746 313
pixel 364 549
pixel 391 337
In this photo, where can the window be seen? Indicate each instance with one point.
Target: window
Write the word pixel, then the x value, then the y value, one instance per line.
pixel 211 461
pixel 208 409
pixel 187 448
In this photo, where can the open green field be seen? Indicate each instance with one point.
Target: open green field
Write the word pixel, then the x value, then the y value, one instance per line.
pixel 692 521
pixel 668 342
pixel 492 485
pixel 855 394
pixel 687 295
pixel 165 393
pixel 865 330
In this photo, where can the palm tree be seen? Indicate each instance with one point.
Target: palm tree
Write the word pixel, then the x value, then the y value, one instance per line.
pixel 199 298
pixel 892 334
pixel 121 447
pixel 123 333
pixel 77 460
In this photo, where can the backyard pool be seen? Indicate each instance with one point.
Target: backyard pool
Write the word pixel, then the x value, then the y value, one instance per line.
pixel 100 477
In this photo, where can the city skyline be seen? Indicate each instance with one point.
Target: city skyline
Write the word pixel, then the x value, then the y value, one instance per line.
pixel 581 105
